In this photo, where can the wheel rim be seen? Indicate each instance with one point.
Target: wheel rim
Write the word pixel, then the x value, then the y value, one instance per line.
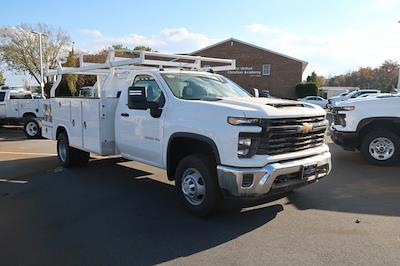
pixel 381 148
pixel 31 129
pixel 62 150
pixel 193 186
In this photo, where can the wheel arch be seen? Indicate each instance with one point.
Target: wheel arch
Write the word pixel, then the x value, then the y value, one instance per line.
pixel 61 129
pixel 389 123
pixel 198 143
pixel 29 115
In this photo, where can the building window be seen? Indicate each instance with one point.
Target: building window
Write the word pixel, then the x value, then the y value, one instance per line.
pixel 266 69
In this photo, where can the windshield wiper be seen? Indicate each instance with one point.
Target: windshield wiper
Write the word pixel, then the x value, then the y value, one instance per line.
pixel 211 99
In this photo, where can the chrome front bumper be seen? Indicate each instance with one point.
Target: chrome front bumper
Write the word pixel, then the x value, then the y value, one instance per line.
pixel 257 182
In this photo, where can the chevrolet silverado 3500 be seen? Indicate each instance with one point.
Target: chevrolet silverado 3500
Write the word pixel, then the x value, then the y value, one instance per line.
pixel 371 125
pixel 21 107
pixel 210 135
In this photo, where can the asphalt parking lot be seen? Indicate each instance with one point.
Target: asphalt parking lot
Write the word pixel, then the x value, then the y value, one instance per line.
pixel 115 212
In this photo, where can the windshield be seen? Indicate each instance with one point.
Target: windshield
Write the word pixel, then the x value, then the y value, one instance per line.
pixel 193 86
pixel 86 92
pixel 21 95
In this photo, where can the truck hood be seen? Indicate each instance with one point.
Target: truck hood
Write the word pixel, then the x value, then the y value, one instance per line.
pixel 337 98
pixel 270 107
pixel 368 100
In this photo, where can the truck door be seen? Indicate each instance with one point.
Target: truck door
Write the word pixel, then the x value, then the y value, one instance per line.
pixel 2 104
pixel 139 134
pixel 12 108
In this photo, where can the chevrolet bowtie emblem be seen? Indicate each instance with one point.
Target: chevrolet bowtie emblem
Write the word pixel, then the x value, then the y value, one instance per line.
pixel 305 128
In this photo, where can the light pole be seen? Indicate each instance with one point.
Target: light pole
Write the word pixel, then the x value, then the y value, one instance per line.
pixel 398 79
pixel 40 34
pixel 398 82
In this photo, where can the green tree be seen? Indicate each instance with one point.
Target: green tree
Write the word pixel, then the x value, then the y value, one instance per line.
pixel 306 89
pixel 2 79
pixel 71 78
pixel 318 80
pixel 119 47
pixel 68 83
pixel 144 48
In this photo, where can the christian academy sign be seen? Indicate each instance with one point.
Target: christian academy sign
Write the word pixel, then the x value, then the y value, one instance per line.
pixel 245 70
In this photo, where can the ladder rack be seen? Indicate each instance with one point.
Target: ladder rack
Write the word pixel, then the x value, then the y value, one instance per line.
pixel 142 60
pixel 145 59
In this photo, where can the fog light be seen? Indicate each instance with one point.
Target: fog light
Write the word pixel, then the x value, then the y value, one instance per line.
pixel 247 180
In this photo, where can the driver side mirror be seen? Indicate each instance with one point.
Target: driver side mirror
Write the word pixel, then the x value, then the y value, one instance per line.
pixel 137 99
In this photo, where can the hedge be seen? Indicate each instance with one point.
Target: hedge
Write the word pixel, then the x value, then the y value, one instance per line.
pixel 306 89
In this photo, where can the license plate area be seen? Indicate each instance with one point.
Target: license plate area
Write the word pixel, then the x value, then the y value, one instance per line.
pixel 308 171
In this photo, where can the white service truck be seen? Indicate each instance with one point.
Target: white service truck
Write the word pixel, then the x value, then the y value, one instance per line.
pixel 370 125
pixel 209 134
pixel 20 106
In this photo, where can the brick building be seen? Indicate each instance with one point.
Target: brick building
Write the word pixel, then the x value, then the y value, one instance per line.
pixel 257 67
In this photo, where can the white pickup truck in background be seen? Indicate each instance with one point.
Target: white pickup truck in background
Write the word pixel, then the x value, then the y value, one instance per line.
pixel 88 92
pixel 210 135
pixel 371 125
pixel 349 95
pixel 21 107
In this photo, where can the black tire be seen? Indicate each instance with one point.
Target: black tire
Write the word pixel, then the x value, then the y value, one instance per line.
pixel 206 167
pixel 371 138
pixel 83 157
pixel 69 156
pixel 33 128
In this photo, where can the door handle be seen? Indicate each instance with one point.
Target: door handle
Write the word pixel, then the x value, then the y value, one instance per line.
pixel 124 114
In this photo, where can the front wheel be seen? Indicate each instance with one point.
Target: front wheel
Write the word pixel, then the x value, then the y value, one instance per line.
pixel 32 128
pixel 197 185
pixel 381 147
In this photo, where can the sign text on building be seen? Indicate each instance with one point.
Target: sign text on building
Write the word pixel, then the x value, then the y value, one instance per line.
pixel 244 70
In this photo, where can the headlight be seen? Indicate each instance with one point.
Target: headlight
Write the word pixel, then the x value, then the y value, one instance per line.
pixel 242 121
pixel 344 108
pixel 244 146
pixel 339 119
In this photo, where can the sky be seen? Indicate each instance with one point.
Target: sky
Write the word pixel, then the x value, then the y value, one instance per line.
pixel 334 37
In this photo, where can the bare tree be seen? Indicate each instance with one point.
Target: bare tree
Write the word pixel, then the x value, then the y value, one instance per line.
pixel 384 77
pixel 2 79
pixel 19 47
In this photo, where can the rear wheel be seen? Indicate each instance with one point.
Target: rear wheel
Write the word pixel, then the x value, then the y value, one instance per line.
pixel 32 128
pixel 381 147
pixel 197 185
pixel 70 156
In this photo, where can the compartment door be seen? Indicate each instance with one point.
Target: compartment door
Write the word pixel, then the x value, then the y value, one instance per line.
pixel 91 125
pixel 2 110
pixel 12 108
pixel 27 106
pixel 2 104
pixel 61 110
pixel 76 135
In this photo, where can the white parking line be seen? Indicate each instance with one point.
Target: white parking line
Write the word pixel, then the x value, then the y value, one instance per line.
pixel 27 153
pixel 13 181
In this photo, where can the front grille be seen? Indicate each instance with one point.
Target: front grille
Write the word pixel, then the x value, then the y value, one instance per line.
pixel 285 135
